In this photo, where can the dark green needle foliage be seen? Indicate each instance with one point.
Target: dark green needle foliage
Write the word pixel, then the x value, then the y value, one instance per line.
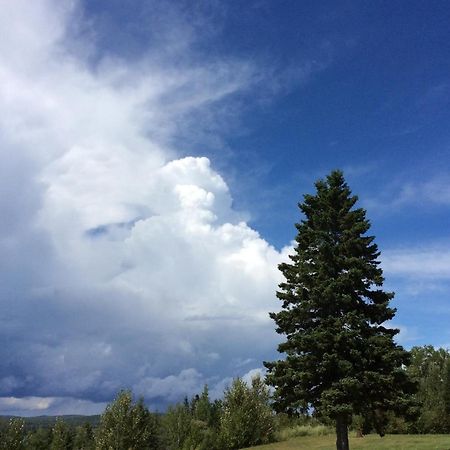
pixel 339 357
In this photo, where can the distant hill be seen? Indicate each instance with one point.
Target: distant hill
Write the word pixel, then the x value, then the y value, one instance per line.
pixel 48 421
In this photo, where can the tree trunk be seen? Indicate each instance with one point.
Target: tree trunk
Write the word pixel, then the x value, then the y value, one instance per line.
pixel 342 432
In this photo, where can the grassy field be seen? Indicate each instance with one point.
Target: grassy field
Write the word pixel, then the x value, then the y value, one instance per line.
pixel 371 442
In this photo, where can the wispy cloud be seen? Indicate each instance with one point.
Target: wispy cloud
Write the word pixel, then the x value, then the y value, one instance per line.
pixel 434 191
pixel 426 193
pixel 420 272
pixel 418 263
pixel 407 336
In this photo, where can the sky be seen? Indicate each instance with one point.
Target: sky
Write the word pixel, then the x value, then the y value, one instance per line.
pixel 152 155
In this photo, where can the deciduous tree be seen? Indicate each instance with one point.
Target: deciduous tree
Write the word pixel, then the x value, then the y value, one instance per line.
pixel 247 417
pixel 430 367
pixel 84 437
pixel 127 425
pixel 14 436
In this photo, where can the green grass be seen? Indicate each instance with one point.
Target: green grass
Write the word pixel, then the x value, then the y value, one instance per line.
pixel 370 442
pixel 303 430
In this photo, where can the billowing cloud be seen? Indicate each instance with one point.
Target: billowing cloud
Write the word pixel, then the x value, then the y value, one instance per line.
pixel 122 260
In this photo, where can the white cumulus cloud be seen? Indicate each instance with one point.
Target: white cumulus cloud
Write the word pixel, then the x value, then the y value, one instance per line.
pixel 122 263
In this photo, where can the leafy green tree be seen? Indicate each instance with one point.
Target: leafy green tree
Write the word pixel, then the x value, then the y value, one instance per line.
pixel 446 396
pixel 339 357
pixel 430 368
pixel 127 425
pixel 247 417
pixel 84 437
pixel 193 425
pixel 202 408
pixel 40 439
pixel 61 436
pixel 13 437
pixel 177 425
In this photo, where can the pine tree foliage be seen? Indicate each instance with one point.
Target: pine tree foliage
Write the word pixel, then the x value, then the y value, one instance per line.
pixel 340 358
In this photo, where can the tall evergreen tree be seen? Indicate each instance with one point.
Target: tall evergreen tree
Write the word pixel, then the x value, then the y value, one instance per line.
pixel 339 357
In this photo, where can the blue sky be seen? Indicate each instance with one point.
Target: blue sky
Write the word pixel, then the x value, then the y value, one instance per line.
pixel 362 86
pixel 153 154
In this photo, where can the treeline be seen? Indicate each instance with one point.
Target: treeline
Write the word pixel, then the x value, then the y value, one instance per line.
pixel 430 369
pixel 243 418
